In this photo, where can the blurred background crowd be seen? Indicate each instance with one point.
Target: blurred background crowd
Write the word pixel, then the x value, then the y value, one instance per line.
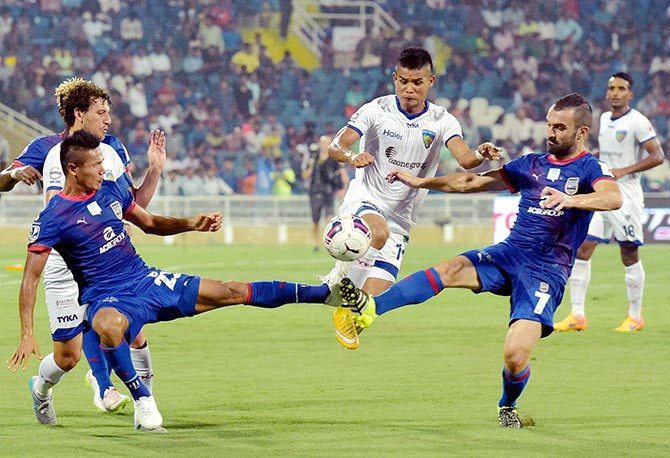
pixel 237 116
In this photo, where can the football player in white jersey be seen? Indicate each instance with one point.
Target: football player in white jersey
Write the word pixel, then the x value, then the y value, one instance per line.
pixel 629 146
pixel 398 131
pixel 84 106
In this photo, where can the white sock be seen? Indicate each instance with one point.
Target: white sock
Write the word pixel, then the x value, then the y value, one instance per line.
pixel 141 358
pixel 361 269
pixel 49 374
pixel 579 283
pixel 635 286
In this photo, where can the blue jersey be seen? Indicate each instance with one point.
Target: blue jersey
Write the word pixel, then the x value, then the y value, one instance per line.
pixel 89 234
pixel 35 153
pixel 551 235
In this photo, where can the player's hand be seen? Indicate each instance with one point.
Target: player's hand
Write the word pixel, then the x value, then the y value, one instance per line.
pixel 156 152
pixel 361 160
pixel 489 151
pixel 26 173
pixel 208 222
pixel 404 177
pixel 21 356
pixel 553 198
pixel 617 173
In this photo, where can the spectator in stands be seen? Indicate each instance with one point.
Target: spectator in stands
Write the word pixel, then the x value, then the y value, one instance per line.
pixel 131 30
pixel 171 183
pixel 192 182
pixel 210 34
pixel 229 174
pixel 283 178
pixel 214 185
pixel 245 60
pixel 353 99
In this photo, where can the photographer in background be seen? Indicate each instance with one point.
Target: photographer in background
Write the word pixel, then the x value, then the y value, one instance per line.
pixel 327 179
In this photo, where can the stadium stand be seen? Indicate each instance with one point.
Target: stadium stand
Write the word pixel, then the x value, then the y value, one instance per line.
pixel 500 59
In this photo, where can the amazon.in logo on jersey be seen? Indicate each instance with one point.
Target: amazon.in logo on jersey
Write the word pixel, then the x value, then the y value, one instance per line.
pixel 391 153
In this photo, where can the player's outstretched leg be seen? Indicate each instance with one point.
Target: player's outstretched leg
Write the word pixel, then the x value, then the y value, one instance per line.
pixel 43 405
pixel 332 279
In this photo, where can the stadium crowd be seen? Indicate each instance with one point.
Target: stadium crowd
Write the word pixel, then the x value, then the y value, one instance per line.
pixel 230 110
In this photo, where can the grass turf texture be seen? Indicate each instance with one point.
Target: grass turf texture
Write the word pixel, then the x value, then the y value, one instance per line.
pixel 251 382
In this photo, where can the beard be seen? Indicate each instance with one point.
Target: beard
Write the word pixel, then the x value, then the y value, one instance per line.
pixel 557 149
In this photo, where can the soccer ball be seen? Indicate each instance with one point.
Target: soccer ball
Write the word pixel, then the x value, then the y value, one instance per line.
pixel 347 237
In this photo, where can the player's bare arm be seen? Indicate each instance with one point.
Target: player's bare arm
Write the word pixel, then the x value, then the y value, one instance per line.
pixel 157 156
pixel 12 175
pixel 653 158
pixel 468 158
pixel 167 225
pixel 460 182
pixel 340 149
pixel 607 196
pixel 28 345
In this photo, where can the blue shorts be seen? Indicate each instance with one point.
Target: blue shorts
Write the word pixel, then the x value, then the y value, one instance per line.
pixel 159 296
pixel 535 287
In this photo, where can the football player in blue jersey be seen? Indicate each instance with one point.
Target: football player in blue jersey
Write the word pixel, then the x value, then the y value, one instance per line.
pixel 82 105
pixel 85 224
pixel 560 189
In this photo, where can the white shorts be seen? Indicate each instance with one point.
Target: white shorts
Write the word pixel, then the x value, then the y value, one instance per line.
pixel 388 262
pixel 624 224
pixel 66 315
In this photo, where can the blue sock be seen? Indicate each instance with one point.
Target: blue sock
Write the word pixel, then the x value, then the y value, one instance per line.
pixel 272 294
pixel 414 289
pixel 96 360
pixel 119 359
pixel 513 385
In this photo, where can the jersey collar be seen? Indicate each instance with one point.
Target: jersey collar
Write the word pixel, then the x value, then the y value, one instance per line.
pixel 410 115
pixel 77 198
pixel 553 160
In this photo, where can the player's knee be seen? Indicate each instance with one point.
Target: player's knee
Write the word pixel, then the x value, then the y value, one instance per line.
pixel 110 325
pixel 67 359
pixel 233 292
pixel 449 272
pixel 516 360
pixel 380 234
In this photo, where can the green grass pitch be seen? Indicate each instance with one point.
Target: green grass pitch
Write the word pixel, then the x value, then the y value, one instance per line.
pixel 248 382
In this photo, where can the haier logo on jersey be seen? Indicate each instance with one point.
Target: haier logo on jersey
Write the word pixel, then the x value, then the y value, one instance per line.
pixel 391 152
pixel 428 138
pixel 620 135
pixel 390 133
pixel 112 239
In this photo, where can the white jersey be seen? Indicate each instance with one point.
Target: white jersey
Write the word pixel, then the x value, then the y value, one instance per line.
pixel 621 144
pixel 398 140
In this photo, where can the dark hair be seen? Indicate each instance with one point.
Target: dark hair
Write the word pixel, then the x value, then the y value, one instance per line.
pixel 72 147
pixel 415 59
pixel 77 93
pixel 582 108
pixel 624 76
